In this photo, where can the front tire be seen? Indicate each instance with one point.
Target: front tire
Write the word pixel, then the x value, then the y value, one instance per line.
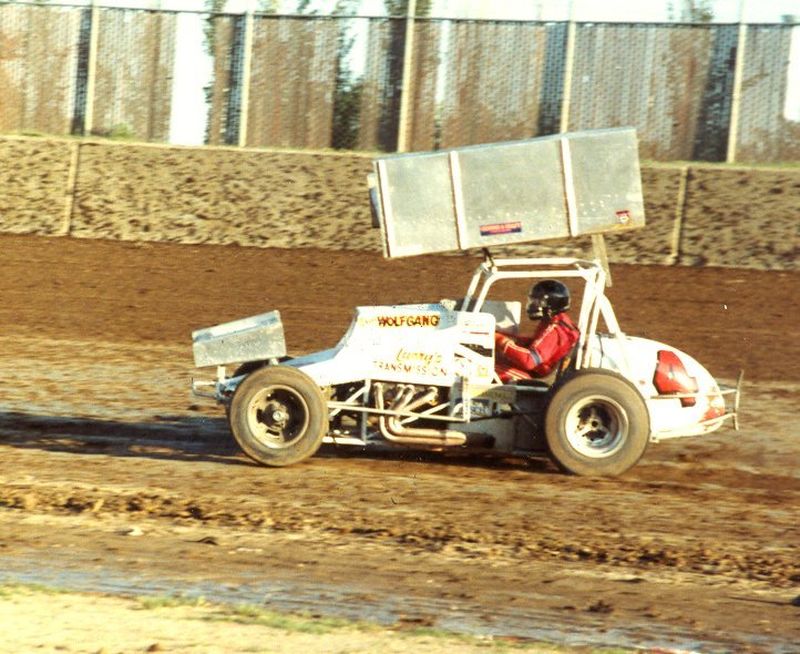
pixel 278 416
pixel 597 424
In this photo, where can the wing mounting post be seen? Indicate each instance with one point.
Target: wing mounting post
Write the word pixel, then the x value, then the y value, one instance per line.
pixel 488 260
pixel 601 254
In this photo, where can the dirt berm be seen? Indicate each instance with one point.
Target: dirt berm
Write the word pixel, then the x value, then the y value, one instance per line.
pixel 697 215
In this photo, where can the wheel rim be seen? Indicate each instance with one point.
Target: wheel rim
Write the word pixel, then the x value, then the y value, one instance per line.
pixel 596 427
pixel 277 416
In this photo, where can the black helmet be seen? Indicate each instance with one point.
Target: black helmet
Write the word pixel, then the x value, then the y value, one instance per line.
pixel 547 298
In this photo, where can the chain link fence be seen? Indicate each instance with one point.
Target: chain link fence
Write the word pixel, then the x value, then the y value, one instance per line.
pixel 673 82
pixel 39 50
pixel 709 92
pixel 765 133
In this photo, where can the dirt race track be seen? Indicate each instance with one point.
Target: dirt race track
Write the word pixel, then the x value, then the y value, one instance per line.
pixel 113 478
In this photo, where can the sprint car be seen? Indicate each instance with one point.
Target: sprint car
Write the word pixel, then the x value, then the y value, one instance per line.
pixel 423 376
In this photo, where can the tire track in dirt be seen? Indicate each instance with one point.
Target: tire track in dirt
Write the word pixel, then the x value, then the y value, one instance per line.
pixel 96 423
pixel 545 515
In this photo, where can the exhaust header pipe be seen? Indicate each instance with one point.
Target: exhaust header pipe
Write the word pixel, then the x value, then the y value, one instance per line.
pixel 393 430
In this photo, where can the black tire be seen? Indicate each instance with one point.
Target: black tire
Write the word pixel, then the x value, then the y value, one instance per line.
pixel 278 416
pixel 596 424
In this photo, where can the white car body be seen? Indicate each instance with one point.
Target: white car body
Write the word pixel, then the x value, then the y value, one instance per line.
pixel 436 360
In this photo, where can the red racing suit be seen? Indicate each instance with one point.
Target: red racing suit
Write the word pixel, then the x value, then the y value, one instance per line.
pixel 526 357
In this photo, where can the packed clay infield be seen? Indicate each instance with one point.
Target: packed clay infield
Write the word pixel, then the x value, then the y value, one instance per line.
pixel 114 478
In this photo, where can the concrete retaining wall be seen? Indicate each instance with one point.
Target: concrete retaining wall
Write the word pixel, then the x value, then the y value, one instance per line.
pixel 698 215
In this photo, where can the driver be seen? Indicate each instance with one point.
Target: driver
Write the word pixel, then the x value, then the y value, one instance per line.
pixel 525 357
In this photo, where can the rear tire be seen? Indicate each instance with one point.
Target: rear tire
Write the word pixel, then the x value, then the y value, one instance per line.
pixel 278 416
pixel 596 424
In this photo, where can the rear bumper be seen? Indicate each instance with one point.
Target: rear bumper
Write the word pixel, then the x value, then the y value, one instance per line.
pixel 205 388
pixel 220 389
pixel 724 407
pixel 732 396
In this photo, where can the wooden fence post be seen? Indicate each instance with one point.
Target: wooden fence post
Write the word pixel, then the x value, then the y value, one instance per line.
pixel 72 183
pixel 677 225
pixel 736 98
pixel 247 66
pixel 569 64
pixel 91 69
pixel 404 128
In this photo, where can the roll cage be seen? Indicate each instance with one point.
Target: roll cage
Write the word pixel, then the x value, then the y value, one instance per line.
pixel 594 303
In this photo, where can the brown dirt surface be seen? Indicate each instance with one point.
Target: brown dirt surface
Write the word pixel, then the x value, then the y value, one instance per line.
pixel 34 185
pixel 733 217
pixel 221 195
pixel 727 216
pixel 113 478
